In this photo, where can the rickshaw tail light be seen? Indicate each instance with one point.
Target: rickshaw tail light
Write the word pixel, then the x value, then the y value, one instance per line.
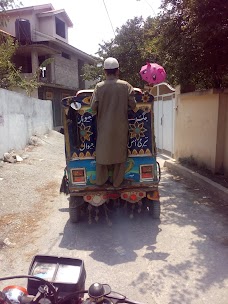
pixel 133 197
pixel 147 172
pixel 79 176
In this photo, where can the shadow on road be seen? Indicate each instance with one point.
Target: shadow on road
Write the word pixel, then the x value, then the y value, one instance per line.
pixel 193 244
pixel 116 244
pixel 198 238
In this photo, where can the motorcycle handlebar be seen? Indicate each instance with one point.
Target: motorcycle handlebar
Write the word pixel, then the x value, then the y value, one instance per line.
pixel 27 299
pixel 52 288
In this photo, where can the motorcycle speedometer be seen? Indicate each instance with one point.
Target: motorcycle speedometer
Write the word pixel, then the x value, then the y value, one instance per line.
pixel 66 274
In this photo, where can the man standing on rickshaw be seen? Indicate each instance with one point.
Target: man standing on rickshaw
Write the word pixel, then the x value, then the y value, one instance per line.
pixel 111 99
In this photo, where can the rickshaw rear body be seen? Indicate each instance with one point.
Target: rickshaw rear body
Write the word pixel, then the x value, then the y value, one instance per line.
pixel 142 173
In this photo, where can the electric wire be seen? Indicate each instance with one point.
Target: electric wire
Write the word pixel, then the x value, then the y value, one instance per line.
pixel 109 17
pixel 149 6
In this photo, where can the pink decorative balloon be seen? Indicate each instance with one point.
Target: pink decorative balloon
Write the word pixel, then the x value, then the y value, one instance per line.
pixel 153 73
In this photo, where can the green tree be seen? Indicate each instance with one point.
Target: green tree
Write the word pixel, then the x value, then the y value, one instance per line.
pixel 8 73
pixel 132 46
pixel 128 48
pixel 93 72
pixel 193 42
pixel 10 76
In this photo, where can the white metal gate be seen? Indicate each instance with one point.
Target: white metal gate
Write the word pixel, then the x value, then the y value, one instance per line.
pixel 164 117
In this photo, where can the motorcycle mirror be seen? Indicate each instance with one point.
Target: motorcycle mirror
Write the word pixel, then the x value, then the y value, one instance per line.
pixel 98 290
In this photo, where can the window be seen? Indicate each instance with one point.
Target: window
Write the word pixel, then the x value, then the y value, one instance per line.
pixel 23 62
pixel 43 70
pixel 60 27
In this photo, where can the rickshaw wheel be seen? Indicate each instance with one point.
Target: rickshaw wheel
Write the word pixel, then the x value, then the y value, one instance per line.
pixel 75 208
pixel 74 214
pixel 155 209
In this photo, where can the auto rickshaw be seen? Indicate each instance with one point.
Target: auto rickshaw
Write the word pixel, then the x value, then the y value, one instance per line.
pixel 142 176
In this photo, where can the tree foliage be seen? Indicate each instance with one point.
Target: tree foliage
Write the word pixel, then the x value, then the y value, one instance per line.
pixel 93 72
pixel 127 47
pixel 193 42
pixel 10 76
pixel 189 38
pixel 130 48
pixel 8 4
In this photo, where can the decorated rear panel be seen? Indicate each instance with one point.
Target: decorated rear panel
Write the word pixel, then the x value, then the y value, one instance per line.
pixel 80 127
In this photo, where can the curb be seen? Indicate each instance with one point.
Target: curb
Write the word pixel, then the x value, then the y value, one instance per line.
pixel 213 187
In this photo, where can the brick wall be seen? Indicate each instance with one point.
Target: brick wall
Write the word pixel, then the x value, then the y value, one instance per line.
pixel 66 71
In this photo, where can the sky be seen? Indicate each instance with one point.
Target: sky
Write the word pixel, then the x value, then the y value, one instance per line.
pixel 91 24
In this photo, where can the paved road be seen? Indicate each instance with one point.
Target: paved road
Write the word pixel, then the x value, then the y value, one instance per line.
pixel 181 258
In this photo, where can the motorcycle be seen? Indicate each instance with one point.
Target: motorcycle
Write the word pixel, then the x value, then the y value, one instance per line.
pixel 58 280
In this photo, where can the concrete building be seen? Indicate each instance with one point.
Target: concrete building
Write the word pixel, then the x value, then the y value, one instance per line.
pixel 42 33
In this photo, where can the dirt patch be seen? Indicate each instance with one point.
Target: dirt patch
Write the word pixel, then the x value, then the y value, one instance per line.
pixel 49 190
pixel 19 227
pixel 28 190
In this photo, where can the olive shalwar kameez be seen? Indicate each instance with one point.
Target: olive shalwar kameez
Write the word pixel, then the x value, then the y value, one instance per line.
pixel 111 99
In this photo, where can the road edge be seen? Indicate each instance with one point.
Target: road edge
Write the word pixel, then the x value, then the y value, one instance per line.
pixel 217 189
